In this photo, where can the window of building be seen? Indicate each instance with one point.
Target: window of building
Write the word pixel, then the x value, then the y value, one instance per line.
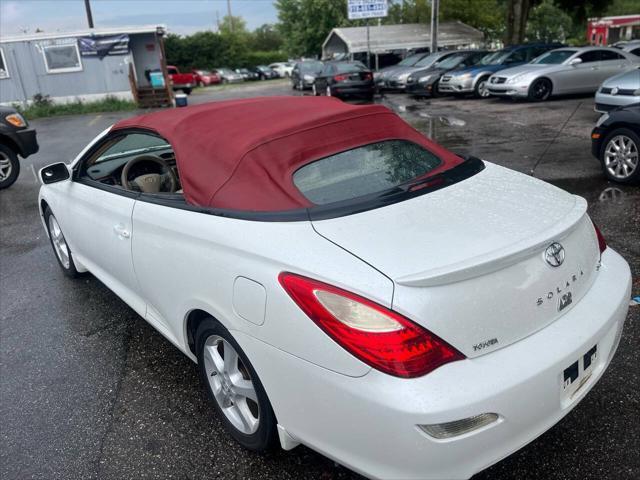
pixel 4 71
pixel 62 58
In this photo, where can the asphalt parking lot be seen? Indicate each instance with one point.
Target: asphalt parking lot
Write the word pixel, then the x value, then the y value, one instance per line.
pixel 89 390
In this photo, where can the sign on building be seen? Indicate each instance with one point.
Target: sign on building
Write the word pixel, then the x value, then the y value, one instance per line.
pixel 357 9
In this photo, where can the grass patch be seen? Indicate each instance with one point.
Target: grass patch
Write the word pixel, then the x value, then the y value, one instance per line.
pixel 42 106
pixel 245 84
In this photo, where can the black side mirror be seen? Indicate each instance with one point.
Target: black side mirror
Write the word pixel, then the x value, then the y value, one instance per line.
pixel 56 172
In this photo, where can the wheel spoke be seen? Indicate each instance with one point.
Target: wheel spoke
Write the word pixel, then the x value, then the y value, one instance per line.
pixel 214 357
pixel 230 359
pixel 243 388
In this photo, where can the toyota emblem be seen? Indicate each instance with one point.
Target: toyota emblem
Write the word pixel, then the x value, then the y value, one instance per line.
pixel 554 254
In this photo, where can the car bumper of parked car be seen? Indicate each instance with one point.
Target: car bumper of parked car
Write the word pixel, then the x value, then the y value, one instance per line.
pixel 508 90
pixel 419 88
pixel 353 90
pixel 26 141
pixel 178 86
pixel 607 102
pixel 456 85
pixel 391 84
pixel 371 423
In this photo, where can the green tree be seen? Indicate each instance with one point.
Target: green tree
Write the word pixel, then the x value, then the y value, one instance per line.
pixel 266 38
pixel 623 7
pixel 488 16
pixel 232 25
pixel 304 24
pixel 547 23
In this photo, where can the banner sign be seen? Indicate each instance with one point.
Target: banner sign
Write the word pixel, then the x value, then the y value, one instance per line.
pixel 357 9
pixel 102 46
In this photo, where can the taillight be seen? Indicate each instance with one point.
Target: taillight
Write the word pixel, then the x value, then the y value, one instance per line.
pixel 602 243
pixel 368 76
pixel 340 78
pixel 376 335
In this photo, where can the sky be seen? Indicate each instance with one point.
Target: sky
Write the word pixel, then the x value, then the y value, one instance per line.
pixel 180 16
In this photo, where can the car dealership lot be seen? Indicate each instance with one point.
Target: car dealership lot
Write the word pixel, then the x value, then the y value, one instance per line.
pixel 89 390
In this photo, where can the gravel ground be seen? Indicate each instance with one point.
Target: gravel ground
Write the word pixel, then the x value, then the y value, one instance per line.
pixel 88 390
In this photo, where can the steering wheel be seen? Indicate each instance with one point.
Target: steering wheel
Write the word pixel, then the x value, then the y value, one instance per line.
pixel 149 182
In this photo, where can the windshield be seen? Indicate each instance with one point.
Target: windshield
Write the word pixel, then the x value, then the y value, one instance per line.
pixel 364 170
pixel 429 60
pixel 490 57
pixel 500 57
pixel 452 62
pixel 554 57
pixel 411 60
pixel 310 67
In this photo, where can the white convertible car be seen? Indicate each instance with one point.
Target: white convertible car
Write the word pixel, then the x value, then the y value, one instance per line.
pixel 345 283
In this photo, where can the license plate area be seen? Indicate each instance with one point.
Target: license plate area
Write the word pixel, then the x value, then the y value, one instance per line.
pixel 578 374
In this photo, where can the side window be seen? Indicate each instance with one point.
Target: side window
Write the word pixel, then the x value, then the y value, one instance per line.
pixel 172 71
pixel 517 56
pixel 609 55
pixel 635 51
pixel 536 52
pixel 62 58
pixel 4 72
pixel 137 162
pixel 590 56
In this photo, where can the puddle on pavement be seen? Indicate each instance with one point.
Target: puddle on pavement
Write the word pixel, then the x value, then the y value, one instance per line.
pixel 598 189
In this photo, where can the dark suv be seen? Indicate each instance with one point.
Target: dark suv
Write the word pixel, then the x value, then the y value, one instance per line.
pixel 16 138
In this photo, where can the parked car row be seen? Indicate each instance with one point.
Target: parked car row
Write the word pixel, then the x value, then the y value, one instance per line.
pixel 203 78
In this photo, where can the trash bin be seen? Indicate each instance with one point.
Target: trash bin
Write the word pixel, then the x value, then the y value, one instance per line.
pixel 181 100
pixel 156 79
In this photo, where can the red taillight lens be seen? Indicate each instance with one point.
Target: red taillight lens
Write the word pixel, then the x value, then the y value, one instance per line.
pixel 602 243
pixel 376 335
pixel 340 78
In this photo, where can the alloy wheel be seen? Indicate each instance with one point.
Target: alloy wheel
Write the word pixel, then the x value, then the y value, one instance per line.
pixel 621 157
pixel 58 241
pixel 541 90
pixel 5 167
pixel 482 89
pixel 314 90
pixel 231 385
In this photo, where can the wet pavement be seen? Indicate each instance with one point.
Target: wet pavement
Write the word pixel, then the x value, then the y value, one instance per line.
pixel 88 390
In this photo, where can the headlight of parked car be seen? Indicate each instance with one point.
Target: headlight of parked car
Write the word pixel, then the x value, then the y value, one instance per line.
pixel 424 79
pixel 403 76
pixel 465 76
pixel 16 120
pixel 517 78
pixel 308 78
pixel 603 118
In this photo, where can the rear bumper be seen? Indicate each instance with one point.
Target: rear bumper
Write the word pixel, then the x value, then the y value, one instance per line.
pixel 26 141
pixel 354 90
pixel 369 423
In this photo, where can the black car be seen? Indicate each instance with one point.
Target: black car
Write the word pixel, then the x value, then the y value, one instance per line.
pixel 16 138
pixel 304 74
pixel 615 141
pixel 264 72
pixel 345 79
pixel 424 82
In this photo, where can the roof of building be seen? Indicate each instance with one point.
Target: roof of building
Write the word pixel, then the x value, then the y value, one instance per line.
pixel 384 38
pixel 241 154
pixel 131 30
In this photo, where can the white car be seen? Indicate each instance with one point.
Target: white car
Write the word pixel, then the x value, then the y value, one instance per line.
pixel 283 69
pixel 345 283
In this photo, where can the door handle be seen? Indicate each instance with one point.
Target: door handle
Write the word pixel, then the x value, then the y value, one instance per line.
pixel 121 231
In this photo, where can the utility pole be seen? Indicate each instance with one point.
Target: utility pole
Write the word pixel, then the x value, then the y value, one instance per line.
pixel 435 7
pixel 87 7
pixel 229 14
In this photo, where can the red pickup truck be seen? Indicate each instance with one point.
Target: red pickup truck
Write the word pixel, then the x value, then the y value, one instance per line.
pixel 181 81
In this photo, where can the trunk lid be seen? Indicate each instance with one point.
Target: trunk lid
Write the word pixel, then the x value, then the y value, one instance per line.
pixel 468 261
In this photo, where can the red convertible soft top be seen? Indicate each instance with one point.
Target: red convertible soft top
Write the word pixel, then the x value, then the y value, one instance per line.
pixel 241 154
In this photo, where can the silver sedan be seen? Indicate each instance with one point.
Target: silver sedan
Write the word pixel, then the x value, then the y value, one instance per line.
pixel 620 90
pixel 562 71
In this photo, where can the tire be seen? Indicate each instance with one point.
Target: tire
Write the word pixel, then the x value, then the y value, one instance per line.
pixel 435 89
pixel 624 168
pixel 59 244
pixel 540 90
pixel 213 342
pixel 187 91
pixel 9 166
pixel 480 90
